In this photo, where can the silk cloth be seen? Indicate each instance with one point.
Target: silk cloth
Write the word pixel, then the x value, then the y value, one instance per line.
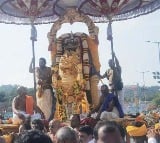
pixel 44 102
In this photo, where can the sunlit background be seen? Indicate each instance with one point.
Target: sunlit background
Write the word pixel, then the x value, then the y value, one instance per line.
pixel 137 57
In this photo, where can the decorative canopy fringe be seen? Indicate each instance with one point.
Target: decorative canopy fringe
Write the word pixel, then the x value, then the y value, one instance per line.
pixel 48 11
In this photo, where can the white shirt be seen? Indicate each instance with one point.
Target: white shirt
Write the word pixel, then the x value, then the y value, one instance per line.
pixel 92 141
pixel 152 140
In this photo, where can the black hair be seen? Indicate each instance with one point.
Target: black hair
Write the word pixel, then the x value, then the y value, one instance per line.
pixel 66 134
pixel 110 126
pixel 43 59
pixel 26 124
pixel 86 129
pixel 38 124
pixel 77 116
pixel 33 136
pixel 104 85
pixel 122 130
pixel 96 128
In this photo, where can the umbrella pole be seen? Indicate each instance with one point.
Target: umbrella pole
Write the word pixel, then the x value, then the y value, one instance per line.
pixel 110 38
pixel 34 38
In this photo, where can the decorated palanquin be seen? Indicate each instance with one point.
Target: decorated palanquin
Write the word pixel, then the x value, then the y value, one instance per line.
pixel 75 64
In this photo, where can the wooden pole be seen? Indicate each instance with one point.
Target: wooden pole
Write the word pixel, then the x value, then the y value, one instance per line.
pixel 33 38
pixel 110 38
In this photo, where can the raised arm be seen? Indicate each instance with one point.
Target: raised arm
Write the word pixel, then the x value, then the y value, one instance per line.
pixel 14 102
pixel 118 67
pixel 116 61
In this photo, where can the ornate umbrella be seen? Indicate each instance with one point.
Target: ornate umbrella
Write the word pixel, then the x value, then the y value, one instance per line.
pixel 116 10
pixel 27 12
pixel 48 11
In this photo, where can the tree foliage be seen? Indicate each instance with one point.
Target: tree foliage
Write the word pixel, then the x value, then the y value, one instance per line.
pixel 156 100
pixel 2 96
pixel 143 93
pixel 8 92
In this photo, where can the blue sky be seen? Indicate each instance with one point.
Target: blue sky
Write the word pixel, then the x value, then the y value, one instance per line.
pixel 134 54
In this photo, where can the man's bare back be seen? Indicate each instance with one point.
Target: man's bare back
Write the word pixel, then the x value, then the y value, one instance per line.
pixel 19 104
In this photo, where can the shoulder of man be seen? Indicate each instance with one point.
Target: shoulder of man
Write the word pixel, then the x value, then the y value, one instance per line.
pixel 15 98
pixel 48 68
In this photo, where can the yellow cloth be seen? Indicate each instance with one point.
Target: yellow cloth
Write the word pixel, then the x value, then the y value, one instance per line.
pixel 157 126
pixel 136 131
pixel 45 102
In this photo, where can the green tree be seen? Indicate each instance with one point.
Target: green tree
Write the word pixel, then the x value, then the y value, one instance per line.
pixel 2 96
pixel 156 99
pixel 30 91
pixel 8 92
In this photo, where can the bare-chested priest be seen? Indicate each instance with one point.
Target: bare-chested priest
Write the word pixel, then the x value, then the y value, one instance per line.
pixel 23 106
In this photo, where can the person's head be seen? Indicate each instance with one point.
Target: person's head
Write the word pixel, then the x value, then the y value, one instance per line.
pixel 139 139
pixel 107 132
pixel 110 63
pixel 67 135
pixel 37 124
pixel 96 128
pixel 85 134
pixel 75 120
pixel 33 136
pixel 21 90
pixel 42 62
pixel 26 124
pixel 54 125
pixel 104 89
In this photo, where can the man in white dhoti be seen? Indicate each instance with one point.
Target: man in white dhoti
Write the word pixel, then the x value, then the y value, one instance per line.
pixel 46 100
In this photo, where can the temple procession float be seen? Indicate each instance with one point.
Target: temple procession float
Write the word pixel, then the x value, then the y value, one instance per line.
pixel 75 61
